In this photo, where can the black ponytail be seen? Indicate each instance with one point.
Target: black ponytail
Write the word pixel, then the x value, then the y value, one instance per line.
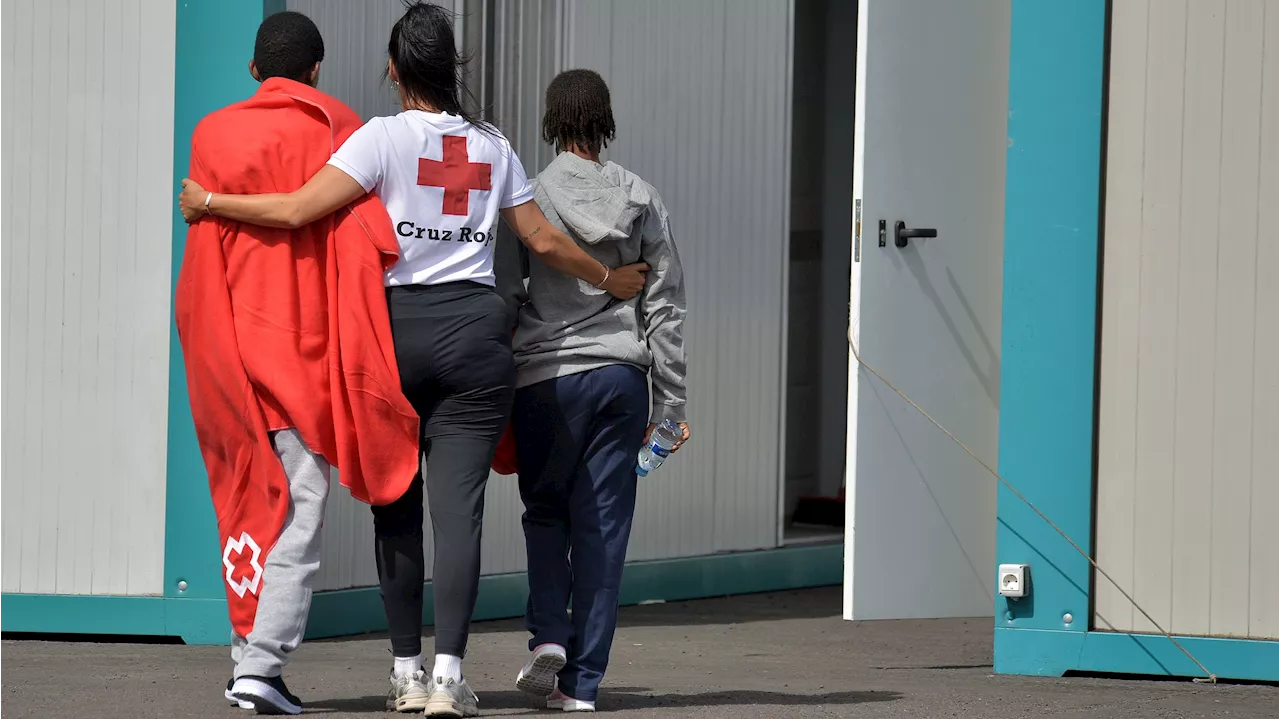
pixel 428 64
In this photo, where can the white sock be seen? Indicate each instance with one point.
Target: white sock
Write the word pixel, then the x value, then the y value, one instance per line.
pixel 405 666
pixel 448 667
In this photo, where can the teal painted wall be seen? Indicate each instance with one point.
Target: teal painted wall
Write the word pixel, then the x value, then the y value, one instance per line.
pixel 1057 89
pixel 1050 303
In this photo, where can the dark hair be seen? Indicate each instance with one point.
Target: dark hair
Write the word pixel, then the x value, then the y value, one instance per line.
pixel 288 46
pixel 578 112
pixel 428 65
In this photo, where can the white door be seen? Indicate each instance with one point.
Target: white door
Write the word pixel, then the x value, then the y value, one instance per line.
pixel 932 79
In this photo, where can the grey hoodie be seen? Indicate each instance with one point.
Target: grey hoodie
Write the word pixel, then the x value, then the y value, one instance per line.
pixel 564 325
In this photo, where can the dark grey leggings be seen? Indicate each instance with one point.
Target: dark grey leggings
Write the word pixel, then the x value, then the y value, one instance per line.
pixel 453 349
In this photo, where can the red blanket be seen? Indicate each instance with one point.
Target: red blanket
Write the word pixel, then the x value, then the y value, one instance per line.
pixel 504 459
pixel 285 329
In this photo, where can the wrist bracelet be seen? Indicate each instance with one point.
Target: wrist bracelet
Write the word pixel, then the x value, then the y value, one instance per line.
pixel 607 272
pixel 207 200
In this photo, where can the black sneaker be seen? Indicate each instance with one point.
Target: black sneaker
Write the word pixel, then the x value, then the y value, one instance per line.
pixel 268 695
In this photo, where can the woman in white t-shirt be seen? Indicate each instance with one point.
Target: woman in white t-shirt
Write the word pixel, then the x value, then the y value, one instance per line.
pixel 445 178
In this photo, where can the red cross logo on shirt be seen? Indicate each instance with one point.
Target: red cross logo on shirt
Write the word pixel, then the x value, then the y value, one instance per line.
pixel 456 173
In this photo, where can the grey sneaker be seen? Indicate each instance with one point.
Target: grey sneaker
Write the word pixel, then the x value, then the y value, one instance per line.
pixel 538 677
pixel 451 698
pixel 409 693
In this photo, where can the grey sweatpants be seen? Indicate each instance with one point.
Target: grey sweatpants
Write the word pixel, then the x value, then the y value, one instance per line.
pixel 291 566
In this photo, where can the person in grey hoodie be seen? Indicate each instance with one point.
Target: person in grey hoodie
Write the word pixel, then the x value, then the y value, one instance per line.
pixel 584 362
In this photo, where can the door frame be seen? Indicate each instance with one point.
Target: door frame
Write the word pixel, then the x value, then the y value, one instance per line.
pixel 1048 414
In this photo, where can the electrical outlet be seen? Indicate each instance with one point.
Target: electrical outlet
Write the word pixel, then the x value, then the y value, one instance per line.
pixel 1013 580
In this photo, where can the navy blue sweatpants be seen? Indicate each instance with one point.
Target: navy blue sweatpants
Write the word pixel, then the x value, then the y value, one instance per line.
pixel 576 441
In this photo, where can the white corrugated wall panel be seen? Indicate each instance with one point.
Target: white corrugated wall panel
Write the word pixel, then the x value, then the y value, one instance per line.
pixel 355 46
pixel 702 98
pixel 529 47
pixel 525 55
pixel 1187 472
pixel 355 51
pixel 356 36
pixel 701 95
pixel 87 225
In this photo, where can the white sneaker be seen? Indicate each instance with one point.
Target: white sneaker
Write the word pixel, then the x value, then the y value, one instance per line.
pixel 559 701
pixel 232 698
pixel 451 698
pixel 538 677
pixel 409 693
pixel 268 695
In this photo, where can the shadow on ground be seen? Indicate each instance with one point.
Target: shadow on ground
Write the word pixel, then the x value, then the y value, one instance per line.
pixel 822 603
pixel 758 657
pixel 638 699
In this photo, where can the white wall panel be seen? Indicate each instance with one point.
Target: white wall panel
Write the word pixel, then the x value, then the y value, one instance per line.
pixel 1187 473
pixel 530 46
pixel 87 193
pixel 702 99
pixel 356 36
pixel 701 94
pixel 348 537
pixel 355 51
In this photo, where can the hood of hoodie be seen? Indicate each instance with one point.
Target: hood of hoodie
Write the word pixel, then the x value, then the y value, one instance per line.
pixel 596 202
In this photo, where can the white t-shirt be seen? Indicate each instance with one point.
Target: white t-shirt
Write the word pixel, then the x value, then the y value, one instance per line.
pixel 443 182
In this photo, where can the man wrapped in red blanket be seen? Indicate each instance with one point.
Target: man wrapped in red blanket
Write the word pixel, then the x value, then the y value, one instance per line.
pixel 288 352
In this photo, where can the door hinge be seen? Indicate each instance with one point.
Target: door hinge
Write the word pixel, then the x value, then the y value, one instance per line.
pixel 857 230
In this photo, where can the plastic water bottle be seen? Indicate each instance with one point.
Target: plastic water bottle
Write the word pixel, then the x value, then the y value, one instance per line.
pixel 658 447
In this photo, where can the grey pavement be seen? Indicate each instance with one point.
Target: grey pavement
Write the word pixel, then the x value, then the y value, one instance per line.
pixel 773 655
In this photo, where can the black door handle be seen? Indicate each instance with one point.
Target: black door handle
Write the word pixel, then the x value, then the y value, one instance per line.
pixel 901 234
